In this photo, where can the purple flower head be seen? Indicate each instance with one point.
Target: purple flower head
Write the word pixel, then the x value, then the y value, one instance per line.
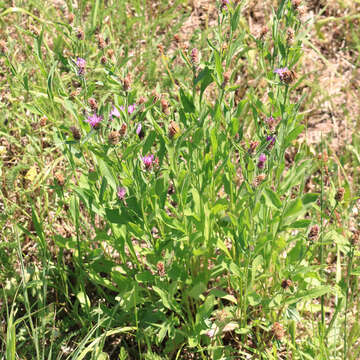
pixel 148 161
pixel 272 139
pixel 94 120
pixel 224 3
pixel 281 72
pixel 81 64
pixel 131 108
pixel 114 112
pixel 262 159
pixel 121 192
pixel 138 129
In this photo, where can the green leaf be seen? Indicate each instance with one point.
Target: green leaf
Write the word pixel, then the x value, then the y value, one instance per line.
pixel 235 19
pixel 311 294
pixel 294 134
pixel 309 198
pixel 187 102
pixel 273 197
pixel 293 208
pixel 300 224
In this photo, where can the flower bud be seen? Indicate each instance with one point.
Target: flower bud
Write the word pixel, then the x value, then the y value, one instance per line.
pixel 339 196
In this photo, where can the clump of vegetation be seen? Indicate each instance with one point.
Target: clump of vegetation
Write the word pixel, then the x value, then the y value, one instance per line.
pixel 162 205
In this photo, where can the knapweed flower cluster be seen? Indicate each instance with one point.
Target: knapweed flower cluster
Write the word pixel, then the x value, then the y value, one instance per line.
pixel 121 192
pixel 81 64
pixel 148 161
pixel 94 120
pixel 261 162
pixel 286 76
pixel 130 109
pixel 114 112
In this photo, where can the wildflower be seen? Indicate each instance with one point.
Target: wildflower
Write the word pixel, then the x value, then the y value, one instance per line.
pixel 114 137
pixel 174 129
pixel 286 283
pixel 80 34
pixel 155 95
pixel 103 60
pixel 195 56
pixel 278 330
pixel 121 192
pixel 160 268
pixel 43 121
pixel 131 108
pixel 148 161
pixel 141 100
pixel 101 42
pixel 127 82
pixel 339 196
pixel 165 106
pixel 271 139
pixel 93 104
pixel 259 179
pixel 290 34
pixel 286 76
pixel 262 159
pixel 81 64
pixel 94 120
pixel 114 112
pixel 270 121
pixel 75 132
pixel 224 3
pixel 123 129
pixel 264 30
pixel 314 232
pixel 295 3
pixel 139 131
pixel 60 180
pixel 3 47
pixel 253 146
pixel 71 18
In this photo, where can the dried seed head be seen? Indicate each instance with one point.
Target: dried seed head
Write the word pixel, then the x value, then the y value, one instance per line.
pixel 253 146
pixel 59 178
pixel 165 106
pixel 155 95
pixel 80 34
pixel 302 10
pixel 127 82
pixel 3 47
pixel 355 238
pixel 43 121
pixel 290 35
pixel 278 330
pixel 103 60
pixel 141 100
pixel 227 76
pixel 314 232
pixel 174 129
pixel 123 129
pixel 177 38
pixel 75 132
pixel 114 137
pixel 286 283
pixel 101 42
pixel 339 196
pixel 195 56
pixel 110 52
pixel 296 3
pixel 93 104
pixel 75 93
pixel 259 179
pixel 161 268
pixel 288 76
pixel 264 30
pixel 70 18
pixel 160 48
